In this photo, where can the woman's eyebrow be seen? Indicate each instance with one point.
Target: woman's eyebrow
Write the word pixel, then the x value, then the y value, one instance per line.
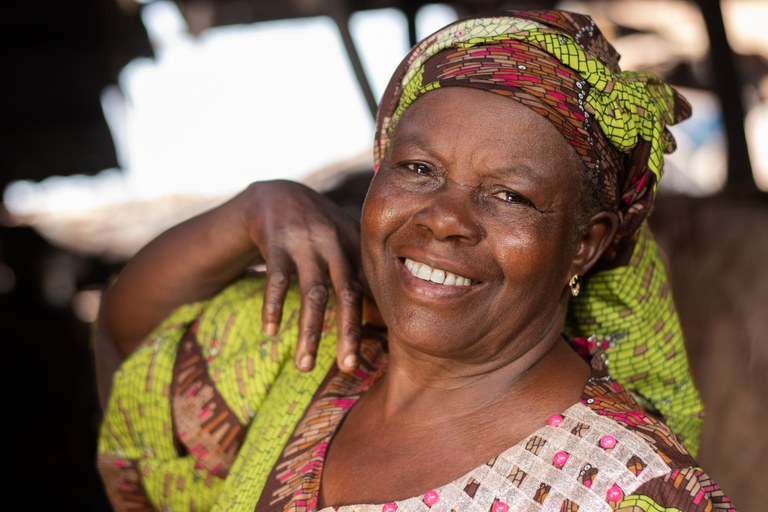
pixel 414 142
pixel 523 171
pixel 406 136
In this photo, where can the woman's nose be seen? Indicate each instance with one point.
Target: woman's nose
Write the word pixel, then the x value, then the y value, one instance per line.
pixel 449 216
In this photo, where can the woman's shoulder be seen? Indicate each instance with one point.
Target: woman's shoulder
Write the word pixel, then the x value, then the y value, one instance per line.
pixel 643 462
pixel 607 399
pixel 608 452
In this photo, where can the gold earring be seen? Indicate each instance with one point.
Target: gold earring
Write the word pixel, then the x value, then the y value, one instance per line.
pixel 575 285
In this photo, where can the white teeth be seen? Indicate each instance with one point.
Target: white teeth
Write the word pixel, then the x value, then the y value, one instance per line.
pixel 435 275
pixel 438 276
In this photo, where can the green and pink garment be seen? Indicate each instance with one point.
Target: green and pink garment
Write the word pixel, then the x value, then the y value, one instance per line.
pixel 211 413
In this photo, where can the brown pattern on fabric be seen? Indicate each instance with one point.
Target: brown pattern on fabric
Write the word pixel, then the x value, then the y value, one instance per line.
pixel 587 475
pixel 523 474
pixel 635 200
pixel 636 465
pixel 516 476
pixel 122 482
pixel 295 479
pixel 580 429
pixel 535 444
pixel 204 424
pixel 541 493
pixel 688 489
pixel 608 398
pixel 473 485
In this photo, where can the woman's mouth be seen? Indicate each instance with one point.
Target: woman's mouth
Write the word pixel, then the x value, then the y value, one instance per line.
pixel 435 275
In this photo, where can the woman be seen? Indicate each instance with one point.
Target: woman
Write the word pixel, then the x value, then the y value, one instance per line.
pixel 513 158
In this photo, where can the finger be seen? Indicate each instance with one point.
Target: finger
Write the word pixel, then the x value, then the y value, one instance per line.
pixel 314 298
pixel 278 280
pixel 349 306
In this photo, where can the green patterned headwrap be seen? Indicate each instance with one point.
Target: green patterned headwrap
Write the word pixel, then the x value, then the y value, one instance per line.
pixel 560 65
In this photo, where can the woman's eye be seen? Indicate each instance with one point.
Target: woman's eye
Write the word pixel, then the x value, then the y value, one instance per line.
pixel 418 168
pixel 512 197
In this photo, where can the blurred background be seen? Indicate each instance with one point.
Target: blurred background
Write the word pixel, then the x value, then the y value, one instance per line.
pixel 121 118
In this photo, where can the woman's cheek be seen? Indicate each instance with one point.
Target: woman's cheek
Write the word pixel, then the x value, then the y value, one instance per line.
pixel 386 205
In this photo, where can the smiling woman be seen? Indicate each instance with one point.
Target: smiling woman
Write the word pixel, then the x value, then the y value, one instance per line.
pixel 500 313
pixel 481 188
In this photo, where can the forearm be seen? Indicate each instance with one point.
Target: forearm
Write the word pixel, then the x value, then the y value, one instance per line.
pixel 189 262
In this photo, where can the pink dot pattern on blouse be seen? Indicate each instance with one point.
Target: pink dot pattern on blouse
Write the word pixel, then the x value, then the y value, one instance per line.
pixel 560 459
pixel 431 497
pixel 614 493
pixel 555 420
pixel 500 506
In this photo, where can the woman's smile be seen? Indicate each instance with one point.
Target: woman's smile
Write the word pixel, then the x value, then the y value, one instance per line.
pixel 435 275
pixel 432 285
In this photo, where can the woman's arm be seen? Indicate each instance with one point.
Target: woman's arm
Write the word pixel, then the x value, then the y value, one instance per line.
pixel 288 225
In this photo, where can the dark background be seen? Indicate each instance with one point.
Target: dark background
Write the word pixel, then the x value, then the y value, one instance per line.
pixel 58 58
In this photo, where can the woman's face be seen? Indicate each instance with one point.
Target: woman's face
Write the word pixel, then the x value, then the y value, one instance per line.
pixel 468 226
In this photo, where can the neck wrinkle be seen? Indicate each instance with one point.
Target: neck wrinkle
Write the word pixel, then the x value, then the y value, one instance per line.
pixel 415 380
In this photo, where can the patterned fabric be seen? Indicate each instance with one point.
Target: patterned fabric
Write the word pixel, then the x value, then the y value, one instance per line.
pixel 559 64
pixel 180 407
pixel 296 476
pixel 212 414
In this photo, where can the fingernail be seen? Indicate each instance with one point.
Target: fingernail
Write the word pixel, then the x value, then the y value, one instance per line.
pixel 350 361
pixel 270 328
pixel 306 362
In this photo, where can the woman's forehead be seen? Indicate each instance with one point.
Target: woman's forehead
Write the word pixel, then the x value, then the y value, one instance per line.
pixel 454 114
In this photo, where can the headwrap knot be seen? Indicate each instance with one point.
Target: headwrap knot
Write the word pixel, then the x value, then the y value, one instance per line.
pixel 629 106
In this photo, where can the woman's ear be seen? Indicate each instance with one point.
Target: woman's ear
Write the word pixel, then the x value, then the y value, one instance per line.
pixel 594 240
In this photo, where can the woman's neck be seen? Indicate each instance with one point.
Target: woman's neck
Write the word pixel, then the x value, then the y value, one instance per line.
pixel 426 423
pixel 518 374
